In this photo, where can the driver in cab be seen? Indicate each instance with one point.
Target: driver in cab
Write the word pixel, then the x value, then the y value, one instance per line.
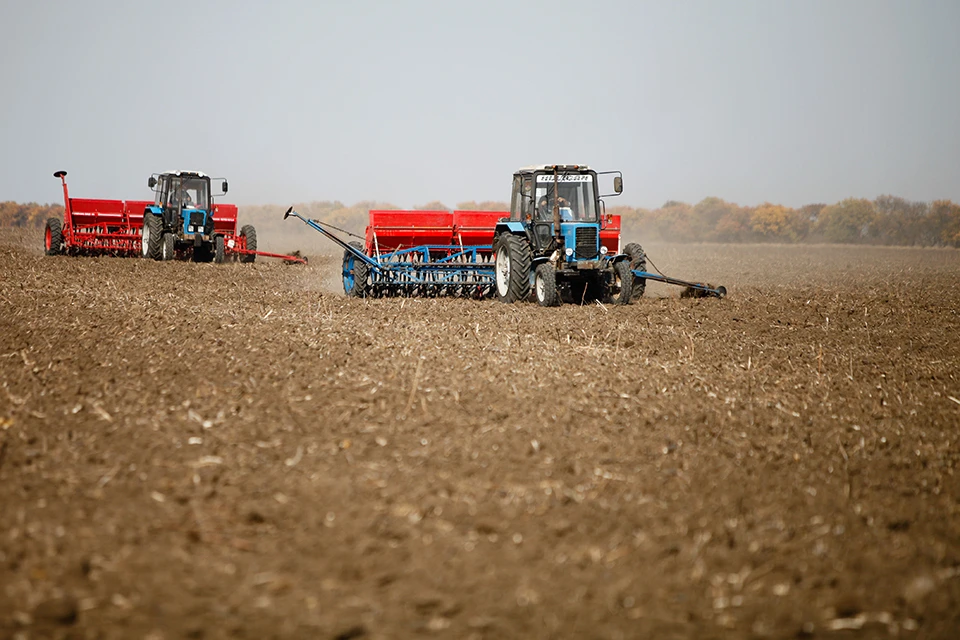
pixel 545 209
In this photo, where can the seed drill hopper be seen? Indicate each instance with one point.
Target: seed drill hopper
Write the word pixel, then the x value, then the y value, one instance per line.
pixel 556 242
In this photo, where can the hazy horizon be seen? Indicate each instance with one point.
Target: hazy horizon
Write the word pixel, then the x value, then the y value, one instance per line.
pixel 749 101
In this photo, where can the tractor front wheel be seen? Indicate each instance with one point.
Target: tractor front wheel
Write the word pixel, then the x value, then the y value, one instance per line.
pixel 219 254
pixel 622 291
pixel 512 267
pixel 545 286
pixel 249 234
pixel 167 250
pixel 53 237
pixel 151 236
pixel 638 262
pixel 355 273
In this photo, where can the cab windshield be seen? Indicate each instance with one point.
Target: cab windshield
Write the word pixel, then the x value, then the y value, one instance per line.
pixel 578 202
pixel 185 192
pixel 195 193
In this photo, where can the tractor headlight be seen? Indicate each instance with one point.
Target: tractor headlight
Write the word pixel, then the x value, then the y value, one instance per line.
pixel 190 228
pixel 569 251
pixel 603 251
pixel 199 229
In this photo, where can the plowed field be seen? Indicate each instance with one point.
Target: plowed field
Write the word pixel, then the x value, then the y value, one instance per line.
pixel 207 451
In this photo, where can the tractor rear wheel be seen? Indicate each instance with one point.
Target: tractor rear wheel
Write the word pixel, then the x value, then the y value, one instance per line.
pixel 151 236
pixel 167 250
pixel 638 262
pixel 512 267
pixel 250 235
pixel 218 250
pixel 355 273
pixel 622 291
pixel 545 286
pixel 53 237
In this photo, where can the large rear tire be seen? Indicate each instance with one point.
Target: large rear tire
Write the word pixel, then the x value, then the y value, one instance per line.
pixel 512 257
pixel 355 273
pixel 545 286
pixel 219 253
pixel 151 236
pixel 638 262
pixel 622 290
pixel 250 235
pixel 53 237
pixel 168 247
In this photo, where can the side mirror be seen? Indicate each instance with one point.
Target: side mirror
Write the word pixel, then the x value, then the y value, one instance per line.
pixel 618 184
pixel 225 186
pixel 152 182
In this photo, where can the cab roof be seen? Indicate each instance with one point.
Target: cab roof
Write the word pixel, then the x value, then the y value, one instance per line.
pixel 550 167
pixel 181 172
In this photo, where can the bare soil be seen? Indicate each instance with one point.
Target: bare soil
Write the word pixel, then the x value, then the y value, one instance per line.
pixel 239 451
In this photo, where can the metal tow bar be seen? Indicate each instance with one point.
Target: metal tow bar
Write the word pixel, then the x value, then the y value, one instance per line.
pixel 360 255
pixel 701 289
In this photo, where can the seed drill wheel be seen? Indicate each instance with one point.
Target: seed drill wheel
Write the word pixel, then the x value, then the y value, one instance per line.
pixel 545 286
pixel 355 273
pixel 638 262
pixel 622 291
pixel 151 236
pixel 168 246
pixel 53 237
pixel 512 267
pixel 250 235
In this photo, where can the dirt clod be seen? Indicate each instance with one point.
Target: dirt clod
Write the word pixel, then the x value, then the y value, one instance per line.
pixel 62 611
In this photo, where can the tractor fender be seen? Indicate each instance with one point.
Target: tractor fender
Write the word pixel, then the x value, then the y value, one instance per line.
pixel 515 227
pixel 156 211
pixel 538 261
pixel 619 257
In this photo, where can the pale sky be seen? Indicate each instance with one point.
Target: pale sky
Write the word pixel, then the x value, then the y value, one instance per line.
pixel 409 101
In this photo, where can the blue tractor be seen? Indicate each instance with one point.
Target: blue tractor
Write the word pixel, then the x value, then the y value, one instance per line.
pixel 181 218
pixel 551 245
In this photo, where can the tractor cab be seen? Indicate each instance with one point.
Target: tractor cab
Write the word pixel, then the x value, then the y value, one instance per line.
pixel 185 203
pixel 181 216
pixel 567 195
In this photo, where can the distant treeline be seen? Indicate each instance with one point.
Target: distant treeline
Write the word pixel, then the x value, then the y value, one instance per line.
pixel 14 214
pixel 887 220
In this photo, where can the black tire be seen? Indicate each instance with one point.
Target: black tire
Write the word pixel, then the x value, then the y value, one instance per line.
pixel 512 258
pixel 545 286
pixel 250 234
pixel 151 236
pixel 638 262
pixel 622 290
pixel 53 237
pixel 168 247
pixel 219 254
pixel 355 273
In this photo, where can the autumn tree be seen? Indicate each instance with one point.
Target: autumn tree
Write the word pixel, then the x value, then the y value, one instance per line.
pixel 900 221
pixel 707 216
pixel 851 220
pixel 734 225
pixel 773 222
pixel 945 218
